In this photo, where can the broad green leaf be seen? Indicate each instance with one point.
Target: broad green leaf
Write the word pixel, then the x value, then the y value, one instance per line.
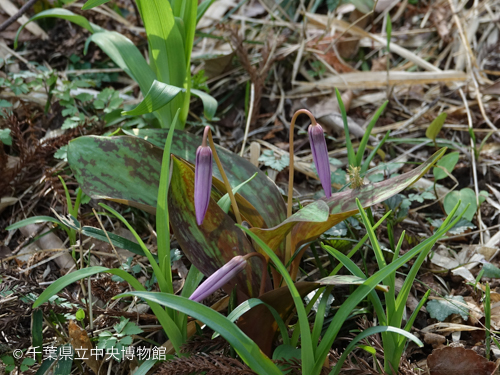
pixel 59 13
pixel 447 162
pixel 93 3
pixel 244 346
pixel 435 126
pixel 166 46
pixel 491 271
pixel 467 197
pixel 209 103
pixel 158 96
pixel 214 243
pixel 33 220
pixel 126 55
pixel 440 309
pixel 127 169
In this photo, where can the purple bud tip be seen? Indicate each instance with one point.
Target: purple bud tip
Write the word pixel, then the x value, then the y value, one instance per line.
pixel 202 182
pixel 320 156
pixel 220 278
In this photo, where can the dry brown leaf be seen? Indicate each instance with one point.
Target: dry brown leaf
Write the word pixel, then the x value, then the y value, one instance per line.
pixel 82 346
pixel 453 361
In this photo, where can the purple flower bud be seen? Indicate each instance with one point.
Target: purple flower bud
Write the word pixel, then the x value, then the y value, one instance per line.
pixel 219 278
pixel 320 156
pixel 202 179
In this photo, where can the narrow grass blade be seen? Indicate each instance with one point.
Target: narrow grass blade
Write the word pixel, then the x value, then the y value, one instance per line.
pixel 58 13
pixel 350 150
pixel 366 136
pixel 34 220
pixel 167 323
pixel 308 356
pixel 246 348
pixel 368 332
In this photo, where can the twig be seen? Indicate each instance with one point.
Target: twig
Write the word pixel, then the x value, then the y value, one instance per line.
pixel 18 15
pixel 249 117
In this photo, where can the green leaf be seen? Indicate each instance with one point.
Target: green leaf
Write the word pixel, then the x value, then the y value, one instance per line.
pixel 209 103
pixel 127 170
pixel 131 329
pixel 202 8
pixel 341 206
pixel 440 309
pixel 80 315
pixel 435 126
pixel 277 162
pixel 491 271
pixel 116 240
pixel 364 6
pixel 211 245
pixel 59 13
pixel 64 364
pixel 362 291
pixel 351 156
pixel 467 197
pixel 127 56
pixel 368 332
pixel 246 348
pixel 8 360
pixel 286 352
pixel 93 3
pixel 388 31
pixel 33 220
pixel 447 162
pixel 37 331
pixel 308 350
pixel 225 203
pixel 166 46
pixel 167 323
pixel 246 306
pixel 366 136
pixel 158 96
pixel 5 137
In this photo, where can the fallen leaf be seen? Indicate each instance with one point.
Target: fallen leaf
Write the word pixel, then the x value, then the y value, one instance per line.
pixel 452 361
pixel 82 346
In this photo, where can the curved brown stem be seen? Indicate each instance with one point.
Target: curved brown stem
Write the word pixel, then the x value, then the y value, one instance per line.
pixel 288 251
pixel 264 270
pixel 224 178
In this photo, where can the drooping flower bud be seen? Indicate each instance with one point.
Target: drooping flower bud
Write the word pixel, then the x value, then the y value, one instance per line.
pixel 220 278
pixel 320 156
pixel 202 178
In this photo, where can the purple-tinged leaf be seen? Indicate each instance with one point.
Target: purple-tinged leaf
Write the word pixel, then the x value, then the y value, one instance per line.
pixel 217 240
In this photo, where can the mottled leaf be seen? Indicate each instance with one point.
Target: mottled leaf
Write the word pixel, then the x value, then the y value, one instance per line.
pixel 211 245
pixel 343 205
pixel 94 159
